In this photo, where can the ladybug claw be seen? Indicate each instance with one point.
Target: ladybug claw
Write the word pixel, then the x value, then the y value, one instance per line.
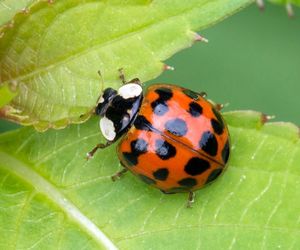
pixel 203 94
pixel 122 75
pixel 220 106
pixel 191 199
pixel 89 156
pixel 118 175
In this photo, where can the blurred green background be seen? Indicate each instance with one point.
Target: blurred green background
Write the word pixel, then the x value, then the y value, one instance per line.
pixel 252 61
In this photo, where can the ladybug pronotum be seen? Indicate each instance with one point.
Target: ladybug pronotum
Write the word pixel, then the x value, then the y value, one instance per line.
pixel 172 138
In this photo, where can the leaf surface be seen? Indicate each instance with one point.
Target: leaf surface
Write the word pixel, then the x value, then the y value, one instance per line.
pixel 6 95
pixel 8 8
pixel 296 2
pixel 54 50
pixel 52 198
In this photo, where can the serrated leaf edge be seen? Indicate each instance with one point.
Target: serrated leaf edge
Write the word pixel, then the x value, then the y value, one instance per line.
pixel 41 125
pixel 265 119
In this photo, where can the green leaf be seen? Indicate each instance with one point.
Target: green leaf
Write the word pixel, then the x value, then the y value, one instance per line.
pixel 296 2
pixel 6 95
pixel 52 198
pixel 8 8
pixel 288 5
pixel 53 51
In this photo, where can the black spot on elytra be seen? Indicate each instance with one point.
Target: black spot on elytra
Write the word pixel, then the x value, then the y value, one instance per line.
pixel 176 127
pixel 138 147
pixel 164 93
pixel 195 109
pixel 225 152
pixel 218 116
pixel 213 175
pixel 188 182
pixel 147 180
pixel 191 94
pixel 196 166
pixel 161 174
pixel 208 143
pixel 130 158
pixel 142 123
pixel 164 150
pixel 159 106
pixel 217 127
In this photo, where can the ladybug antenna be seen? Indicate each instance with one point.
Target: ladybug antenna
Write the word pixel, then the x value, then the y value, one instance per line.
pixel 101 81
pixel 101 87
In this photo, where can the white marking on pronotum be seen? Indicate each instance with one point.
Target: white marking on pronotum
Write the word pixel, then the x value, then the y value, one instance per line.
pixel 101 100
pixel 107 128
pixel 130 90
pixel 43 186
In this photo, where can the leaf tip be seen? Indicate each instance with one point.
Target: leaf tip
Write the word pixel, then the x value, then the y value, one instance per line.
pixel 265 118
pixel 13 86
pixel 260 4
pixel 25 11
pixel 168 67
pixel 199 38
pixel 10 24
pixel 290 10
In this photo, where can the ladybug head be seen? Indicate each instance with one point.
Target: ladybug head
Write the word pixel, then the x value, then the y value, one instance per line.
pixel 105 100
pixel 118 109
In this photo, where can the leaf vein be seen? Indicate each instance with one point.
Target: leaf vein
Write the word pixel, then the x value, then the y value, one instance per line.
pixel 79 53
pixel 46 188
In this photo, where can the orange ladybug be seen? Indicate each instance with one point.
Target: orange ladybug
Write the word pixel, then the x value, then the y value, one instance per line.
pixel 172 138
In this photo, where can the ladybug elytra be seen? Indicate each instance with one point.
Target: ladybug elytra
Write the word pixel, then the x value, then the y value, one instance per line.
pixel 172 138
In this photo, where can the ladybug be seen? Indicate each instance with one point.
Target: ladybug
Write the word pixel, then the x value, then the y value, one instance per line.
pixel 171 137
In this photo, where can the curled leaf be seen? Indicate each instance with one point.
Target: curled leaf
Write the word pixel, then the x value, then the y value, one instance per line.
pixel 54 50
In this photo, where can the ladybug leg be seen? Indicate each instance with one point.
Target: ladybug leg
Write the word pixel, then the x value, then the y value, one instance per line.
pixel 93 111
pixel 118 175
pixel 202 94
pixel 219 106
pixel 122 77
pixel 102 85
pixel 136 81
pixel 191 199
pixel 90 154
